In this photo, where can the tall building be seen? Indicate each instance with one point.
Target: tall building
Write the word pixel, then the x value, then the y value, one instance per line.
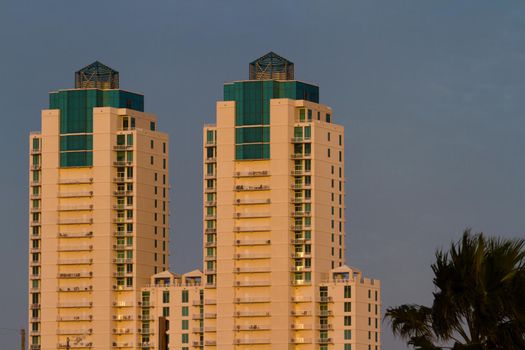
pixel 273 218
pixel 98 214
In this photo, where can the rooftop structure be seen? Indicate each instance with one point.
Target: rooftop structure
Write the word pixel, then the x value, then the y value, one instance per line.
pixel 96 76
pixel 271 67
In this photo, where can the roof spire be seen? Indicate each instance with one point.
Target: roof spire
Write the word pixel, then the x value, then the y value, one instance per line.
pixel 271 67
pixel 96 76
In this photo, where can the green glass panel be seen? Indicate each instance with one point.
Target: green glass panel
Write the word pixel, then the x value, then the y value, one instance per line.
pixel 76 159
pixel 76 142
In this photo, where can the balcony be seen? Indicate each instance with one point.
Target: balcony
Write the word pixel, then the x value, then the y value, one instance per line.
pixel 324 340
pixel 301 186
pixel 250 215
pixel 325 313
pixel 121 193
pixel 123 260
pixel 301 200
pixel 121 331
pixel 84 234
pixel 123 317
pixel 80 331
pixel 75 261
pixel 210 230
pixel 145 331
pixel 250 300
pixel 298 214
pixel 34 347
pixel 75 304
pixel 210 216
pixel 301 139
pixel 83 274
pixel 251 283
pixel 301 240
pixel 121 179
pixel 252 269
pixel 210 315
pixel 210 203
pixel 210 244
pixel 325 327
pixel 75 194
pixel 73 221
pixel 252 327
pixel 252 313
pixel 301 299
pixel 325 299
pixel 84 317
pixel 301 326
pixel 121 287
pixel 75 207
pixel 122 220
pixel 197 344
pixel 122 344
pixel 122 246
pixel 74 181
pixel 123 304
pixel 301 255
pixel 122 274
pixel 252 201
pixel 243 242
pixel 251 228
pixel 299 172
pixel 85 288
pixel 300 340
pixel 301 268
pixel 240 188
pixel 197 316
pixel 301 282
pixel 251 173
pixel 301 156
pixel 75 345
pixel 299 313
pixel 252 341
pixel 210 189
pixel 210 258
pixel 75 248
pixel 252 256
pixel 122 147
pixel 122 163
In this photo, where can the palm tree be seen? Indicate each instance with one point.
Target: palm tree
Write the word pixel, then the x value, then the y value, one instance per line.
pixel 479 301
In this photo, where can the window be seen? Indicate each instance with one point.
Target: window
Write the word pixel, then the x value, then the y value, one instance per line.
pixel 165 311
pixel 348 347
pixel 328 118
pixel 185 324
pixel 36 144
pixel 151 144
pixel 185 338
pixel 348 292
pixel 328 136
pixel 152 126
pixel 329 153
pixel 164 147
pixel 340 140
pixel 151 160
pixel 185 296
pixel 348 306
pixel 348 334
pixel 348 320
pixel 185 311
pixel 166 293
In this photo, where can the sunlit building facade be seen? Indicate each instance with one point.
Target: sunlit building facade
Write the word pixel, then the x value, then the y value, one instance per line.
pixel 274 274
pixel 98 225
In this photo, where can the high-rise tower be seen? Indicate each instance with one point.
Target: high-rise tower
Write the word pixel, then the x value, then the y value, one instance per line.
pixel 273 216
pixel 98 214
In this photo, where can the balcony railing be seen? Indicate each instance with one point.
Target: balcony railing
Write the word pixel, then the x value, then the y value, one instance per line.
pixel 82 274
pixel 75 261
pixel 300 340
pixel 80 331
pixel 75 304
pixel 252 341
pixel 252 256
pixel 251 283
pixel 301 326
pixel 75 345
pixel 75 248
pixel 251 188
pixel 301 299
pixel 301 282
pixel 301 139
pixel 241 242
pixel 251 215
pixel 251 173
pixel 75 207
pixel 325 340
pixel 84 288
pixel 69 221
pixel 253 269
pixel 75 194
pixel 301 312
pixel 252 300
pixel 252 201
pixel 252 327
pixel 75 234
pixel 251 228
pixel 252 313
pixel 84 180
pixel 84 317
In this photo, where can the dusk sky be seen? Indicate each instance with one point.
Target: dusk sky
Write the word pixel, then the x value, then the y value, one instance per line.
pixel 431 93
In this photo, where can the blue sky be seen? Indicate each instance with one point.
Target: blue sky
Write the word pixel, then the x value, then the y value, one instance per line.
pixel 431 93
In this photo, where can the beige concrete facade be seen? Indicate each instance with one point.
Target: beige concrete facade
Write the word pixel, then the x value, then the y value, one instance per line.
pixel 273 247
pixel 97 233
